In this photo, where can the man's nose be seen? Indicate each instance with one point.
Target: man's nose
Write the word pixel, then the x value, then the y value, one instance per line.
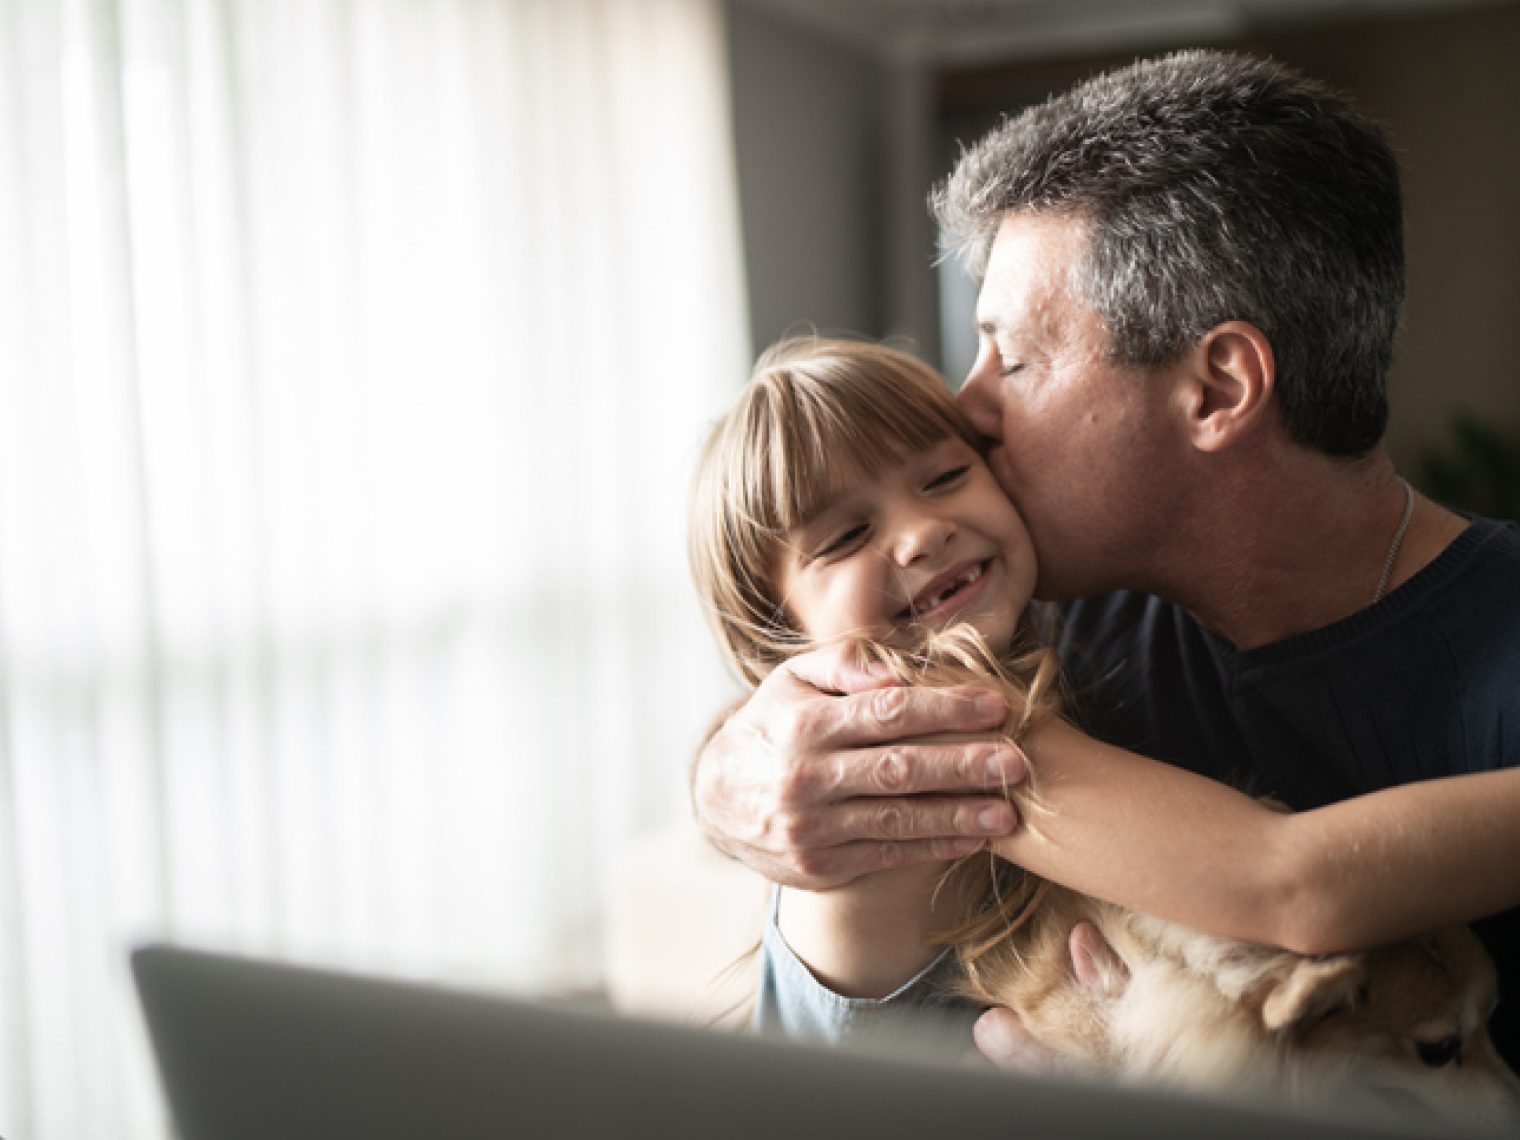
pixel 979 400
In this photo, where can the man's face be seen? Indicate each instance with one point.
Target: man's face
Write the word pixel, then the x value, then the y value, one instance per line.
pixel 1080 444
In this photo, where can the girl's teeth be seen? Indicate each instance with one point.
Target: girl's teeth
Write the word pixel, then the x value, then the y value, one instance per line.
pixel 959 584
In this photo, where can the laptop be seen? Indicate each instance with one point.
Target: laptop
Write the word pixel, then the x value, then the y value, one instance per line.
pixel 260 1050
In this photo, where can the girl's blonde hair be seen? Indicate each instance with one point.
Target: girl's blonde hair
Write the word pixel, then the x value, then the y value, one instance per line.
pixel 815 413
pixel 999 897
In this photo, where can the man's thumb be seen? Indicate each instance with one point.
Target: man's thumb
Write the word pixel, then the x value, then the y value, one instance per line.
pixel 842 667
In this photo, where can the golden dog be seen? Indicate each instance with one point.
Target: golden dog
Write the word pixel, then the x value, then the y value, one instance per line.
pixel 1151 1001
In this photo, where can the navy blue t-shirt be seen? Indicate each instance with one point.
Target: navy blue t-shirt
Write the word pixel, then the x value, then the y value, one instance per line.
pixel 1425 683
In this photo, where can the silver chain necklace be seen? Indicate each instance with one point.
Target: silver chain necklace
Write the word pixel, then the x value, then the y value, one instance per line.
pixel 1398 540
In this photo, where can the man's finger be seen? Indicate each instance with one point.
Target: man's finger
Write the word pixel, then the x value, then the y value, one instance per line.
pixel 840 671
pixel 835 865
pixel 901 819
pixel 890 714
pixel 839 668
pixel 910 769
pixel 1004 1041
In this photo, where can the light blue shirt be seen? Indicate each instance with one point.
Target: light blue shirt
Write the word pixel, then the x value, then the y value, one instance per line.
pixel 793 1004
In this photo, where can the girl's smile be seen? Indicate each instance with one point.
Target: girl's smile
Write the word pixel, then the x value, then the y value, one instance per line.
pixel 948 594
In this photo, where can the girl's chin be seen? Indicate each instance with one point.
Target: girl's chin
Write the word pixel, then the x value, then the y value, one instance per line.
pixel 996 630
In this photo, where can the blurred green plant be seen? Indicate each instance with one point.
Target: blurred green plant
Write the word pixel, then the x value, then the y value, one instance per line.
pixel 1476 470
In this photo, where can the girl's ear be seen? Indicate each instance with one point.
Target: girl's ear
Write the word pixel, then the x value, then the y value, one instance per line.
pixel 1227 388
pixel 1096 964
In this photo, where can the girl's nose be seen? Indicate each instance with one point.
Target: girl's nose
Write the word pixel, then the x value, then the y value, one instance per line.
pixel 920 535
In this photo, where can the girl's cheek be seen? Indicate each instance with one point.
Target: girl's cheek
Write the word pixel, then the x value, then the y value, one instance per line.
pixel 847 589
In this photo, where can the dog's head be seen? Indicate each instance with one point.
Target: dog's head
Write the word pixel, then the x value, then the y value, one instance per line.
pixel 1405 1022
pixel 1409 1021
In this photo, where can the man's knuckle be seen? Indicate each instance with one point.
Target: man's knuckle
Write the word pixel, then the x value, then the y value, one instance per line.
pixel 892 821
pixel 811 864
pixel 889 706
pixel 944 849
pixel 807 722
pixel 970 766
pixel 792 785
pixel 890 855
pixel 960 821
pixel 799 831
pixel 892 772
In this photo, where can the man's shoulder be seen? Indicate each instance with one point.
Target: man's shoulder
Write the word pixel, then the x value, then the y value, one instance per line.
pixel 1470 590
pixel 1489 547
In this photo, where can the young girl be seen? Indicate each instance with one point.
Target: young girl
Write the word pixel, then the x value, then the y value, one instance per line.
pixel 845 496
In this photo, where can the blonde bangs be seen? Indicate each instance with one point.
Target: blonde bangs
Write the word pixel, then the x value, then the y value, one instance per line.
pixel 836 412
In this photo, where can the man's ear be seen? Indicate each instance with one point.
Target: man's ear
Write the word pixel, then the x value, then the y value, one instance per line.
pixel 1227 388
pixel 1096 964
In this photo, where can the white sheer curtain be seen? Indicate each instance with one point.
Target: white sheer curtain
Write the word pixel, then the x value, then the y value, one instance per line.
pixel 353 356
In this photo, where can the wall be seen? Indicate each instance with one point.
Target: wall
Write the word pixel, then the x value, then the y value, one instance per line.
pixel 1448 89
pixel 809 151
pixel 824 212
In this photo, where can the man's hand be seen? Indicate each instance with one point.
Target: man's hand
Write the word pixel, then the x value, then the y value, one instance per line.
pixel 819 778
pixel 1005 1043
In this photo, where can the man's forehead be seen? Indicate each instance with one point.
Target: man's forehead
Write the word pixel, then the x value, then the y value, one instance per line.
pixel 1003 303
pixel 1030 264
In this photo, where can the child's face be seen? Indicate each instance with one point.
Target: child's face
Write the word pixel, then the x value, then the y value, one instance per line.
pixel 930 542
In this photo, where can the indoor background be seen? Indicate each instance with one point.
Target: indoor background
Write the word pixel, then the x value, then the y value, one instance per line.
pixel 846 113
pixel 354 355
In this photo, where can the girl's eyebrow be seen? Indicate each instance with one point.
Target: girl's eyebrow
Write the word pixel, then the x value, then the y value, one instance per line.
pixel 836 495
pixel 817 511
pixel 834 500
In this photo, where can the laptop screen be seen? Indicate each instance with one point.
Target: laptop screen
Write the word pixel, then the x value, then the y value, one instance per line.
pixel 255 1050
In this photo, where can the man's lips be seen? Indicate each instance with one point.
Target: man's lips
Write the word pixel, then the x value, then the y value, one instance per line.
pixel 948 593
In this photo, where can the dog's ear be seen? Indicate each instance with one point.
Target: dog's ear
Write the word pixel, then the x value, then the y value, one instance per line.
pixel 1096 964
pixel 1313 988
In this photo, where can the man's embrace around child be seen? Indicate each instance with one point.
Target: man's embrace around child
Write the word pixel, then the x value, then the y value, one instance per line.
pixel 1191 274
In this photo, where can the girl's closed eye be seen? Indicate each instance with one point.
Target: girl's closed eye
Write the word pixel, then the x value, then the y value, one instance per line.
pixel 840 541
pixel 948 478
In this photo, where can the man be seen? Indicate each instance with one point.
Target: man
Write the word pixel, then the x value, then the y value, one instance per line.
pixel 1191 275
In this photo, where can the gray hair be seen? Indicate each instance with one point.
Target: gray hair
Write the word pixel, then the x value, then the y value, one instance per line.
pixel 1215 187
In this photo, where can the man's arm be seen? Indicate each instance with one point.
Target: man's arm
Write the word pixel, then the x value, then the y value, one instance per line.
pixel 819 777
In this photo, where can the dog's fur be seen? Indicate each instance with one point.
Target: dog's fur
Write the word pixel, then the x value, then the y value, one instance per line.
pixel 1148 1000
pixel 1151 1001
